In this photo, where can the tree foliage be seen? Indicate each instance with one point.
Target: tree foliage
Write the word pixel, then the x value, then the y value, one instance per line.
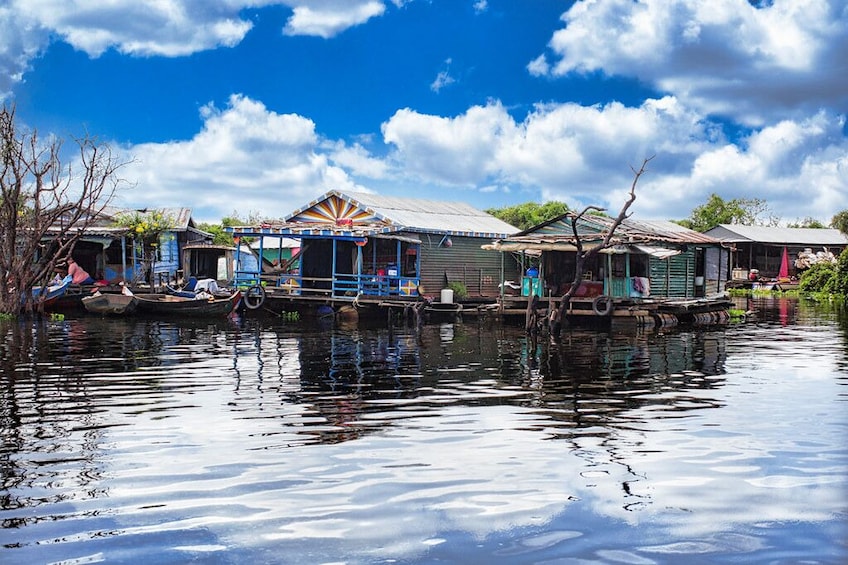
pixel 743 211
pixel 807 222
pixel 145 228
pixel 219 235
pixel 826 277
pixel 840 221
pixel 529 214
pixel 43 200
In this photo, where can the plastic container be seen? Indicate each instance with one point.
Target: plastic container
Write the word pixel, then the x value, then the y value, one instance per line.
pixel 447 296
pixel 699 281
pixel 532 272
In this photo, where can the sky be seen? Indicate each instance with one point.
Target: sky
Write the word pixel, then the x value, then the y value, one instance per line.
pixel 254 108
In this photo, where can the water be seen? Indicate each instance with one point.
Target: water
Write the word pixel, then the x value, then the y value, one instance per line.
pixel 130 441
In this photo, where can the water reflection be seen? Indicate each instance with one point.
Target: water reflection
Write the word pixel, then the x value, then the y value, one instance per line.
pixel 246 440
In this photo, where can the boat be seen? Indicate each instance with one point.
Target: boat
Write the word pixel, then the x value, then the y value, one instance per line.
pixel 201 305
pixel 110 303
pixel 45 296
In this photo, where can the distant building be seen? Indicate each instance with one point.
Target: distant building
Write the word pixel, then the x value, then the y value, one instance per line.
pixel 762 248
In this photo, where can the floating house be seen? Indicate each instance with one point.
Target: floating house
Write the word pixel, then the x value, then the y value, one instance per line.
pixel 774 252
pixel 372 250
pixel 654 271
pixel 110 253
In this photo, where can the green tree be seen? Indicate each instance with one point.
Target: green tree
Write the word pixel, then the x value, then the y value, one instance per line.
pixel 145 229
pixel 219 236
pixel 743 211
pixel 529 214
pixel 807 222
pixel 840 221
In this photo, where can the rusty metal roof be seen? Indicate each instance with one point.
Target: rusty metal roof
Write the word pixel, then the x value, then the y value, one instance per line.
pixel 557 234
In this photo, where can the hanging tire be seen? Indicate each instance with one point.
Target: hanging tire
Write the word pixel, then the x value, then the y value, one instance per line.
pixel 602 305
pixel 254 297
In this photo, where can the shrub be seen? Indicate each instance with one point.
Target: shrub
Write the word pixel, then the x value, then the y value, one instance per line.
pixel 459 289
pixel 820 277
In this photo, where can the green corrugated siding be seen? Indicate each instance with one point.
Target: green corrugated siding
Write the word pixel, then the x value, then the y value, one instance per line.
pixel 673 277
pixel 466 262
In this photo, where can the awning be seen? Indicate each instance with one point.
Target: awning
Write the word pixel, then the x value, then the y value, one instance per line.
pixel 658 252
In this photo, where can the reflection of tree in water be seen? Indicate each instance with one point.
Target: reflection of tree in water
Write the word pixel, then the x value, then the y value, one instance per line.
pixel 598 387
pixel 600 374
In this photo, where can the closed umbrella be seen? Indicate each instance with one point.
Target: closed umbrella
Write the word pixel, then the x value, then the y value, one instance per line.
pixel 784 266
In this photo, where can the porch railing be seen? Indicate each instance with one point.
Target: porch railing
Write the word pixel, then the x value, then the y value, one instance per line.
pixel 342 285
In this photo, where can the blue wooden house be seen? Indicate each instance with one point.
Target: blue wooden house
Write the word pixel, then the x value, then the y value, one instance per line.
pixel 367 247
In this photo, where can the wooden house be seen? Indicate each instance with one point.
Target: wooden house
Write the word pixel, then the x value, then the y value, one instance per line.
pixel 652 266
pixel 370 248
pixel 109 253
pixel 762 249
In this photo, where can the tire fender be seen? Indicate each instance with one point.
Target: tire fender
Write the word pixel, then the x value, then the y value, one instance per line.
pixel 254 297
pixel 602 305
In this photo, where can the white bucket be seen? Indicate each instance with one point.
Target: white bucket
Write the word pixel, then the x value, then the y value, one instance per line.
pixel 447 296
pixel 699 281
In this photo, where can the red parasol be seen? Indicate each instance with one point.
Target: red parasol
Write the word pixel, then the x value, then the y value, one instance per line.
pixel 784 266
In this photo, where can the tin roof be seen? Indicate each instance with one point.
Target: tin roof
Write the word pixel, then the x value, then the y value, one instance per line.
pixel 557 234
pixel 779 236
pixel 399 214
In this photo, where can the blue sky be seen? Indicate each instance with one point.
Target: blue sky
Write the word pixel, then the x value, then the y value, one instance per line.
pixel 257 107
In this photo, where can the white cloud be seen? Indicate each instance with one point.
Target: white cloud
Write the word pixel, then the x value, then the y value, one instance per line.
pixel 583 155
pixel 443 79
pixel 245 157
pixel 21 39
pixel 481 6
pixel 330 17
pixel 723 57
pixel 169 28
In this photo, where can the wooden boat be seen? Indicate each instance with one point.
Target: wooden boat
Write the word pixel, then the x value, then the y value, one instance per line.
pixel 170 305
pixel 45 296
pixel 110 303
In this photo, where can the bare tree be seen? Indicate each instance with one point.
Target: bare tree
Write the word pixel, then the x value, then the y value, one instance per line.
pixel 583 254
pixel 43 200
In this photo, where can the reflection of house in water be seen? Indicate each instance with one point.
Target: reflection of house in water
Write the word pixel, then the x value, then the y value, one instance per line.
pixel 597 374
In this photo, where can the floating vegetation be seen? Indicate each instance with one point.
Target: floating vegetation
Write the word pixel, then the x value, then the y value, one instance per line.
pixel 290 316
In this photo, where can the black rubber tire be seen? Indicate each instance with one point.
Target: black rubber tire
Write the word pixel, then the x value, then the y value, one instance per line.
pixel 602 305
pixel 254 297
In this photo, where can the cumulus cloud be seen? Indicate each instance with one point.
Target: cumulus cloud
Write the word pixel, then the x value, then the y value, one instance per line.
pixel 726 57
pixel 330 17
pixel 169 28
pixel 583 155
pixel 245 157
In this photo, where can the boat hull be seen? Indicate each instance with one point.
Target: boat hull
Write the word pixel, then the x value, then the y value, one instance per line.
pixel 110 304
pixel 169 305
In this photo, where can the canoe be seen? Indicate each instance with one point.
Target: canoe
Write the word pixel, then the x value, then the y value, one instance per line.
pixel 45 296
pixel 169 305
pixel 110 303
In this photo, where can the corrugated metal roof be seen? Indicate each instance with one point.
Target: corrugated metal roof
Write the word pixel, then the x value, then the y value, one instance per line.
pixel 779 236
pixel 414 214
pixel 557 234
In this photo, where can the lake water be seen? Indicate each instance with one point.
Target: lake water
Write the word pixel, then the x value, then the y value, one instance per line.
pixel 261 441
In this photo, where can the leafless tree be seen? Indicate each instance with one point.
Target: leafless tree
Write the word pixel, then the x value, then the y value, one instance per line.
pixel 43 200
pixel 583 254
